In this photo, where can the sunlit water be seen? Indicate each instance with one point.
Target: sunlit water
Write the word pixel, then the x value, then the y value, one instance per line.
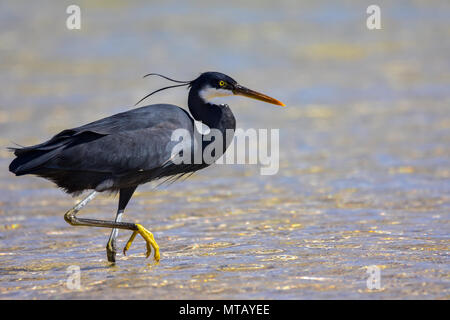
pixel 364 150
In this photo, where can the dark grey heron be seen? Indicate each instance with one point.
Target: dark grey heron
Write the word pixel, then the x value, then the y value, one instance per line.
pixel 121 152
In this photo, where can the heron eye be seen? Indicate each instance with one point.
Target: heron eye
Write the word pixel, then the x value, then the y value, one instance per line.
pixel 221 83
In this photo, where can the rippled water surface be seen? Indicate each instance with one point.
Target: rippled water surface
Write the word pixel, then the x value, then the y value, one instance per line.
pixel 364 149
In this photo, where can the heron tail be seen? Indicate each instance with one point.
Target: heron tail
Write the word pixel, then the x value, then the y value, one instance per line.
pixel 29 159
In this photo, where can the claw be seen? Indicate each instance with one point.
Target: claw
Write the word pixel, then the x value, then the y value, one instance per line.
pixel 111 251
pixel 149 239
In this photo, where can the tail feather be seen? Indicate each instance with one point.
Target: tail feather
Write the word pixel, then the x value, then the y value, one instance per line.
pixel 30 160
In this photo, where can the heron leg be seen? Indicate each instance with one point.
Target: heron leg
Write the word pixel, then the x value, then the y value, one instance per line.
pixel 125 195
pixel 73 220
pixel 111 248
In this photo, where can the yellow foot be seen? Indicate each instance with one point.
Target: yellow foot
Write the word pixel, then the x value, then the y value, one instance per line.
pixel 148 237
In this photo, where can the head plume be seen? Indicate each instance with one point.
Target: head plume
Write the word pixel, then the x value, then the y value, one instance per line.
pixel 183 83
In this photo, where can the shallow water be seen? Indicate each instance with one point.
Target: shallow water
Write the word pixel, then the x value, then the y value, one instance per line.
pixel 364 153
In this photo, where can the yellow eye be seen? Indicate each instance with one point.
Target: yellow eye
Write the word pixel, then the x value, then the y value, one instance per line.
pixel 221 83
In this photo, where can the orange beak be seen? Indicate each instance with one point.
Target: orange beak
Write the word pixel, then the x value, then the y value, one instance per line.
pixel 243 91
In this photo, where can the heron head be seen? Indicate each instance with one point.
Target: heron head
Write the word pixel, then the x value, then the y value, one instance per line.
pixel 210 85
pixel 215 84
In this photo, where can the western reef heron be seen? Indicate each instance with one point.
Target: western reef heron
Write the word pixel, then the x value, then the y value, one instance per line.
pixel 121 152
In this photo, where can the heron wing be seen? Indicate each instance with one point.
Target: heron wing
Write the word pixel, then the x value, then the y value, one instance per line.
pixel 118 153
pixel 139 139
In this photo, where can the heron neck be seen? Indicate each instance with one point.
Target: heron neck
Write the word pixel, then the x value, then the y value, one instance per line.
pixel 214 116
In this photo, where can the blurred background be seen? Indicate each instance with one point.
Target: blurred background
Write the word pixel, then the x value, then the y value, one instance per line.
pixel 364 149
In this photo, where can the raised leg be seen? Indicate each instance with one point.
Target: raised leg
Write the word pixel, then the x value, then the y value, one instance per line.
pixel 124 197
pixel 72 219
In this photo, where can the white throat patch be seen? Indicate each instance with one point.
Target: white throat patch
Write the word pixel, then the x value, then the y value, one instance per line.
pixel 208 93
